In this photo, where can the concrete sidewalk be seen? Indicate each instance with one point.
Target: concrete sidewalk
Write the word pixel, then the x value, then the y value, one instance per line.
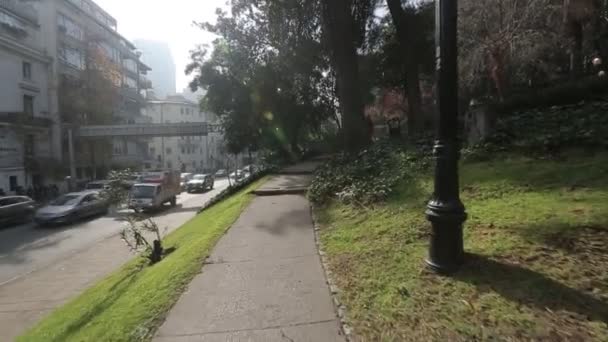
pixel 263 282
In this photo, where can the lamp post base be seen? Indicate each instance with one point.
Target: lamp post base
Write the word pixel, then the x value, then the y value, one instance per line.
pixel 446 252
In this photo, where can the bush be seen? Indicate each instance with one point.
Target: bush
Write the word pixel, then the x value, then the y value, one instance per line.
pixel 551 129
pixel 367 177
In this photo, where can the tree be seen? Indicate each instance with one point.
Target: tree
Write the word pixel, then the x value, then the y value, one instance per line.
pixel 267 74
pixel 344 26
pixel 408 32
pixel 91 97
pixel 506 43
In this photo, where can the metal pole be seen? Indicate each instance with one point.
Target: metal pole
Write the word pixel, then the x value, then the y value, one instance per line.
pixel 162 139
pixel 71 155
pixel 445 211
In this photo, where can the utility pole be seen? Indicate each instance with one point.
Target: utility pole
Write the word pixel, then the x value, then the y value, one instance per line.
pixel 445 211
pixel 162 139
pixel 71 154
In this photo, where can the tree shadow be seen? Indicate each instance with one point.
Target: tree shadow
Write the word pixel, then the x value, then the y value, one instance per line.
pixel 529 288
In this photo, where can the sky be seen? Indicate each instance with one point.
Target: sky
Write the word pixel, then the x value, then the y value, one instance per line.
pixel 169 21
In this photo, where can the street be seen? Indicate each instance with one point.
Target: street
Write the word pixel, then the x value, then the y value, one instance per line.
pixel 26 248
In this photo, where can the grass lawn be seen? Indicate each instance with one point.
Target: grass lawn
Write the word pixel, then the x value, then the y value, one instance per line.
pixel 537 235
pixel 129 304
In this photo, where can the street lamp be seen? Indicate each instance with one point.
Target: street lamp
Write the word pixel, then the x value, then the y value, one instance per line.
pixel 445 211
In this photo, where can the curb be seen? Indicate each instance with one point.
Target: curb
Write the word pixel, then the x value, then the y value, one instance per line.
pixel 340 308
pixel 280 191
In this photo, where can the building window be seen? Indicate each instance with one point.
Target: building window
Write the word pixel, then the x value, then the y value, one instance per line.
pixel 169 150
pixel 152 150
pixel 28 105
pixel 71 56
pixel 69 27
pixel 183 150
pixel 130 82
pixel 13 183
pixel 130 65
pixel 29 145
pixel 27 70
pixel 181 110
pixel 169 165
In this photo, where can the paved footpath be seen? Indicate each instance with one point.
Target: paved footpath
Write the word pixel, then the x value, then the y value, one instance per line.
pixel 263 281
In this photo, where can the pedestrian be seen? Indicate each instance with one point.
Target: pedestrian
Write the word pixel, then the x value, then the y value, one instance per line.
pixel 30 192
pixel 54 191
pixel 2 193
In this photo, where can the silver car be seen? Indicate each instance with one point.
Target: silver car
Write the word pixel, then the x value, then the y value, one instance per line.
pixel 71 207
pixel 16 209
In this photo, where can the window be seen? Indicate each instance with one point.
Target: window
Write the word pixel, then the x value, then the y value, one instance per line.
pixel 27 70
pixel 181 110
pixel 183 150
pixel 169 165
pixel 28 105
pixel 130 82
pixel 130 65
pixel 152 150
pixel 12 183
pixel 110 51
pixel 72 56
pixel 169 150
pixel 69 27
pixel 29 145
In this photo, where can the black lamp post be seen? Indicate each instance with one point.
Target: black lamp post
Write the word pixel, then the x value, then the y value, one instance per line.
pixel 445 211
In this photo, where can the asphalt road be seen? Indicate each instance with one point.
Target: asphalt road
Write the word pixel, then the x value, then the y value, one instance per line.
pixel 26 248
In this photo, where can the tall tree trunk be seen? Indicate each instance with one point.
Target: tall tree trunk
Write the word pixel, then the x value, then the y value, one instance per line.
pixel 576 54
pixel 339 29
pixel 405 25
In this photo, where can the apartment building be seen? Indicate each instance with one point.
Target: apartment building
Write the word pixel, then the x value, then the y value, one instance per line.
pixel 29 131
pixel 74 29
pixel 44 44
pixel 188 154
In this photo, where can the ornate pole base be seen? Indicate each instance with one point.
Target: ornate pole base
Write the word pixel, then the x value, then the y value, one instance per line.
pixel 446 252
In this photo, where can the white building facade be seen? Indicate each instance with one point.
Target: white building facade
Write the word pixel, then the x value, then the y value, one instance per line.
pixel 187 154
pixel 41 43
pixel 27 116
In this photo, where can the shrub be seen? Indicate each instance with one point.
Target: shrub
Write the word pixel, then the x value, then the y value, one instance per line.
pixel 134 235
pixel 551 129
pixel 367 177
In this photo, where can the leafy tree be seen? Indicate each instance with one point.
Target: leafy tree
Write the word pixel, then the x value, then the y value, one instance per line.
pixel 265 77
pixel 344 24
pixel 407 28
pixel 92 97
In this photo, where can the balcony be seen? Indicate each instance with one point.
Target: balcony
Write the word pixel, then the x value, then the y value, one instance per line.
pixel 16 118
pixel 144 83
pixel 26 11
pixel 143 130
pixel 132 93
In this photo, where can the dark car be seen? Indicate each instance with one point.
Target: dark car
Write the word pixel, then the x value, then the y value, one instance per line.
pixel 71 207
pixel 200 183
pixel 16 209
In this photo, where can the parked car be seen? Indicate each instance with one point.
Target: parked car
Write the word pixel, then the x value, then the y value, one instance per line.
pixel 200 182
pixel 185 178
pixel 237 175
pixel 98 185
pixel 221 173
pixel 71 207
pixel 250 168
pixel 16 209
